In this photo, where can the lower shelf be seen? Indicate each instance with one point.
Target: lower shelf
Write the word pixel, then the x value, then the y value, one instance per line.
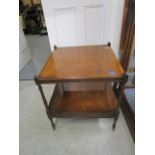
pixel 83 103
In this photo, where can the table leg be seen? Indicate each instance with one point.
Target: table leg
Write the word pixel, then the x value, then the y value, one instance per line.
pixel 121 89
pixel 52 123
pixel 45 102
pixel 115 120
pixel 61 88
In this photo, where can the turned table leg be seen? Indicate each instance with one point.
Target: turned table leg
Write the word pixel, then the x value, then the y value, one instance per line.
pixel 121 89
pixel 52 123
pixel 45 102
pixel 115 120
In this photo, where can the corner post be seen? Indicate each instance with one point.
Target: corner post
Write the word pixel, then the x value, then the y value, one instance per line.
pixel 109 44
pixel 55 47
pixel 60 85
pixel 122 86
pixel 36 79
pixel 41 91
pixel 120 94
pixel 115 120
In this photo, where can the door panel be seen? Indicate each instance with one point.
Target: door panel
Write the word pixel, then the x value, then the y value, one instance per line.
pixel 65 26
pixel 83 22
pixel 94 24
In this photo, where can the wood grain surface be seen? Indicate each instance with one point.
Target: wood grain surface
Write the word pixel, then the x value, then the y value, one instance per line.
pixel 84 101
pixel 85 62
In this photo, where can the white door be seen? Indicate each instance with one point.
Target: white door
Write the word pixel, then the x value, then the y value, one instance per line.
pixel 83 22
pixel 24 52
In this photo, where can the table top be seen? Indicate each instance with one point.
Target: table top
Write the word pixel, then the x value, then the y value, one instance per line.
pixel 80 63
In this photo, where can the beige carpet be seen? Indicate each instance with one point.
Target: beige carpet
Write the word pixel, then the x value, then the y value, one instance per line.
pixel 72 136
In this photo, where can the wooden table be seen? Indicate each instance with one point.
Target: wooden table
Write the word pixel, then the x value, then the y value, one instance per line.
pixel 86 79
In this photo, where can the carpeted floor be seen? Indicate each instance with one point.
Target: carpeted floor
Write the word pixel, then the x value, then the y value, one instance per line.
pixel 72 136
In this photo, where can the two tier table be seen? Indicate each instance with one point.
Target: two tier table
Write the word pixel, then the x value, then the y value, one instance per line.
pixel 87 79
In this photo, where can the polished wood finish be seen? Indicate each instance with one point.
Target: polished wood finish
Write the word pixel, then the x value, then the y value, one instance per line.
pixel 125 59
pixel 77 63
pixel 127 39
pixel 84 79
pixel 123 33
pixel 85 101
pixel 126 47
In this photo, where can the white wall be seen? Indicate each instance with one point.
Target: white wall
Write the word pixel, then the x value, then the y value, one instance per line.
pixel 24 52
pixel 113 14
pixel 117 15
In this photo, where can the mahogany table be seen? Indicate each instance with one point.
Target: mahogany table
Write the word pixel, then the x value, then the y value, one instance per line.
pixel 86 79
